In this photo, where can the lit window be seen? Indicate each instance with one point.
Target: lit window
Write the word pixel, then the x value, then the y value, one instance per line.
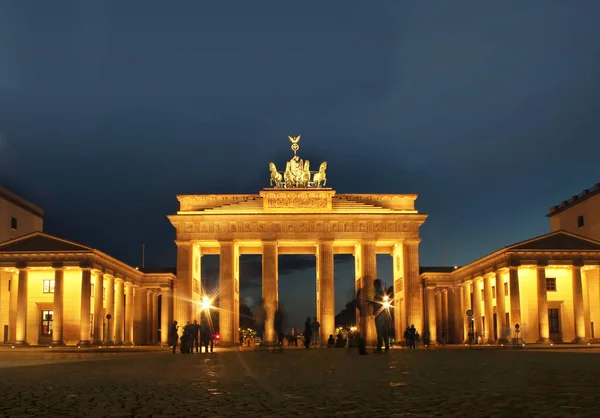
pixel 48 286
pixel 580 221
pixel 13 223
pixel 47 318
pixel 551 284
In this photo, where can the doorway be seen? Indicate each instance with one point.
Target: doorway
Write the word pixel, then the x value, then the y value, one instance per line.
pixel 554 324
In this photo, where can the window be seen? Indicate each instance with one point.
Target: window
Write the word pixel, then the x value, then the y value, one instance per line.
pixel 91 324
pixel 47 318
pixel 104 293
pixel 508 319
pixel 48 286
pixel 13 223
pixel 551 284
pixel 579 221
pixel 482 294
pixel 505 289
pixel 494 292
pixel 92 290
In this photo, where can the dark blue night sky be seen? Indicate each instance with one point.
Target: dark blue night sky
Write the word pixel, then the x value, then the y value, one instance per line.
pixel 489 112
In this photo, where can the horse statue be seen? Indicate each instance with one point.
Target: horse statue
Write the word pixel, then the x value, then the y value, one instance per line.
pixel 320 178
pixel 275 176
pixel 288 176
pixel 305 178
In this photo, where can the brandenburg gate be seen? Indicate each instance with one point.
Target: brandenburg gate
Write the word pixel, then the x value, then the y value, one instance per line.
pixel 298 214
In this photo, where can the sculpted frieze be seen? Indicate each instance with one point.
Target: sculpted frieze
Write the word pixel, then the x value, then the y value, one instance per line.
pixel 408 230
pixel 297 202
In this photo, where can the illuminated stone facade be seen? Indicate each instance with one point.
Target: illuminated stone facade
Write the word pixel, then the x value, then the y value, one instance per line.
pixel 549 286
pixel 579 215
pixel 297 221
pixel 18 216
pixel 55 292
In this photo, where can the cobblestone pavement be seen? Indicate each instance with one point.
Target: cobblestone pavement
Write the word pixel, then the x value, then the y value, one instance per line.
pixel 316 382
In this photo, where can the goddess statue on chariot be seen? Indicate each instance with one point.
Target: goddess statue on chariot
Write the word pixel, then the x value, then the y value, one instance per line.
pixel 297 172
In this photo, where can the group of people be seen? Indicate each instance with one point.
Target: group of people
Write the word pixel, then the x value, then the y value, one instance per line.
pixel 193 334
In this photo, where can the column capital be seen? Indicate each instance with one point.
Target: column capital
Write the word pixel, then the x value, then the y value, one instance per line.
pixel 578 264
pixel 412 241
pixel 489 275
pixel 58 265
pixel 501 270
pixel 325 241
pixel 108 275
pixel 183 243
pixel 368 241
pixel 542 263
pixel 118 279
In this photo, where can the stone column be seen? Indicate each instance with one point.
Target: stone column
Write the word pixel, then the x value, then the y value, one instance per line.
pixel 431 319
pixel 59 291
pixel 326 289
pixel 227 292
pixel 98 304
pixel 110 308
pixel 466 299
pixel 21 322
pixel 445 321
pixel 140 301
pixel 477 309
pixel 357 284
pixel 369 274
pixel 501 309
pixel 165 320
pixel 398 274
pixel 455 315
pixel 128 313
pixel 439 316
pixel 155 318
pixel 270 284
pixel 182 292
pixel 85 312
pixel 542 299
pixel 118 318
pixel 515 299
pixel 149 316
pixel 489 308
pixel 414 291
pixel 14 298
pixel 578 310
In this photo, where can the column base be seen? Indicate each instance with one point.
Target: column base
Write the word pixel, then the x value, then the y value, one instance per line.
pixel 502 341
pixel 84 342
pixel 57 343
pixel 516 341
pixel 544 341
pixel 20 343
pixel 579 340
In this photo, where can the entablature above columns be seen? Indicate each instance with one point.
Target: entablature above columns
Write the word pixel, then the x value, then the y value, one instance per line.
pixel 301 226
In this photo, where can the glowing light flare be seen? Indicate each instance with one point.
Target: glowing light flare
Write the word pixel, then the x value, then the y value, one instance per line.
pixel 206 302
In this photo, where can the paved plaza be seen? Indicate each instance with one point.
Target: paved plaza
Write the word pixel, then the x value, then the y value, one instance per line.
pixel 316 382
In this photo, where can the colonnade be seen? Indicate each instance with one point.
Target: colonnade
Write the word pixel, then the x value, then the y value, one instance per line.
pixel 407 309
pixel 133 309
pixel 447 305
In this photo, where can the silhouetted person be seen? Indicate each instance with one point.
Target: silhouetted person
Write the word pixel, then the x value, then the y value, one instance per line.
pixel 195 331
pixel 412 337
pixel 260 316
pixel 315 334
pixel 382 318
pixel 206 336
pixel 330 341
pixel 278 324
pixel 173 335
pixel 307 333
